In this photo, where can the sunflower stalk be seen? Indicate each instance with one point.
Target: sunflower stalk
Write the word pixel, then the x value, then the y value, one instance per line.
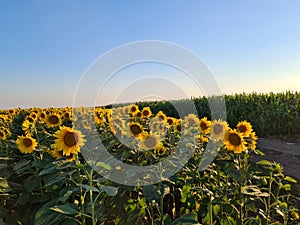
pixel 91 198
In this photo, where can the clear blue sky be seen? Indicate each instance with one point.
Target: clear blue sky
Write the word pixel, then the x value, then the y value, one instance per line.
pixel 45 46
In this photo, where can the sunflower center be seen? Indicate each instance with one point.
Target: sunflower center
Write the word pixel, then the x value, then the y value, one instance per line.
pixel 1 134
pixel 146 113
pixel 30 119
pixel 70 139
pixel 43 115
pixel 242 128
pixel 135 129
pixel 234 139
pixel 27 142
pixel 53 119
pixel 191 122
pixel 133 109
pixel 218 129
pixel 203 125
pixel 170 121
pixel 150 142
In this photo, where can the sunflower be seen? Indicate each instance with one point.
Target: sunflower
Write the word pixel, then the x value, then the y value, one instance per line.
pixel 99 119
pixel 160 115
pixel 251 140
pixel 160 150
pixel 134 109
pixel 200 138
pixel 218 129
pixel 190 120
pixel 150 141
pixel 177 125
pixel 2 134
pixel 158 127
pixel 135 129
pixel 125 110
pixel 234 141
pixel 42 116
pixel 245 128
pixel 53 120
pixel 26 144
pixel 146 112
pixel 68 140
pixel 170 121
pixel 204 125
pixel 26 126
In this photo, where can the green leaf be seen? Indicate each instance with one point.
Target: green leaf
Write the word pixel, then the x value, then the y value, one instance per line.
pixel 31 183
pixel 151 192
pixel 4 186
pixel 46 216
pixel 264 163
pixel 290 179
pixel 69 222
pixel 188 219
pixel 216 209
pixel 87 188
pixel 102 164
pixel 67 209
pixel 110 190
pixel 22 166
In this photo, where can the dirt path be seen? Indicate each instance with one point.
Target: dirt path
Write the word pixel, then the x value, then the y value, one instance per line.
pixel 286 152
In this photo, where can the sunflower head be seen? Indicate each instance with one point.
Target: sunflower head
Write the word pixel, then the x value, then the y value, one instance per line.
pixel 150 141
pixel 251 140
pixel 53 120
pixel 26 144
pixel 161 116
pixel 134 109
pixel 234 141
pixel 2 134
pixel 146 112
pixel 190 121
pixel 135 129
pixel 68 140
pixel 204 125
pixel 245 128
pixel 160 150
pixel 218 129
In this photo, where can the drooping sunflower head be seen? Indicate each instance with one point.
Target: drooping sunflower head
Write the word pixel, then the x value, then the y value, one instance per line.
pixel 146 112
pixel 251 140
pixel 150 141
pixel 26 144
pixel 190 121
pixel 177 125
pixel 218 129
pixel 135 129
pixel 245 128
pixel 234 141
pixel 53 120
pixel 68 140
pixel 204 125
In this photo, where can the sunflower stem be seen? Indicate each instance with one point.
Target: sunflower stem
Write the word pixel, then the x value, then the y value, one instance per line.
pixel 91 198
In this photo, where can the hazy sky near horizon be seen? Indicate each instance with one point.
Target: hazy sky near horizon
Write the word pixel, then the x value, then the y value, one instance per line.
pixel 47 46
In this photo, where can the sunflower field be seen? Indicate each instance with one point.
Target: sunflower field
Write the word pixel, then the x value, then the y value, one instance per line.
pixel 52 173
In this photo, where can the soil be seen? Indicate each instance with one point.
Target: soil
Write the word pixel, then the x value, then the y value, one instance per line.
pixel 281 150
